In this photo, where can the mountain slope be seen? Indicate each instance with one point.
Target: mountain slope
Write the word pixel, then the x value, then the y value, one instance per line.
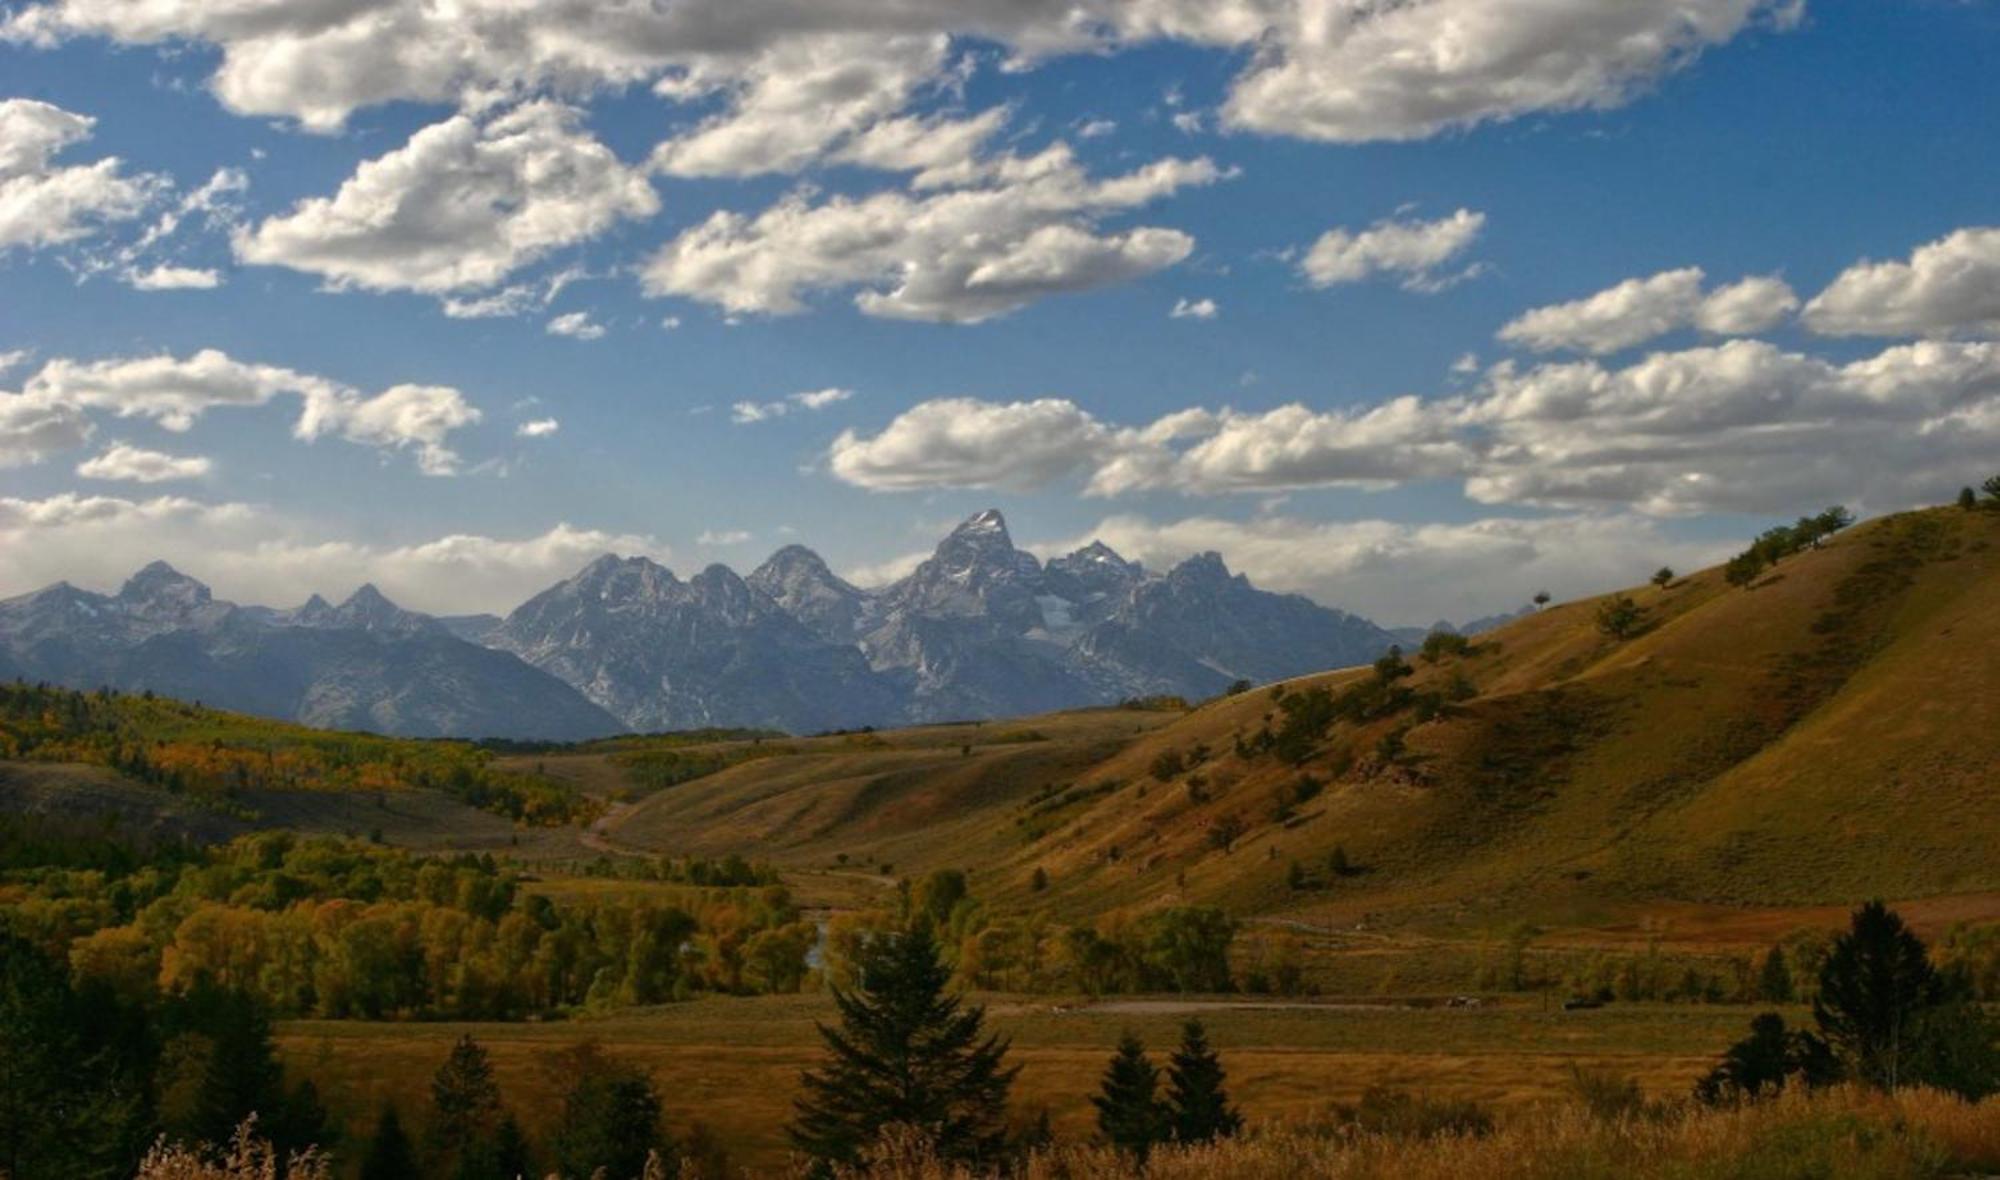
pixel 1829 733
pixel 366 664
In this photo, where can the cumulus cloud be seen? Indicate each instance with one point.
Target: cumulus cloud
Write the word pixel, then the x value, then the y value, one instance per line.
pixel 1402 573
pixel 34 427
pixel 1025 228
pixel 462 205
pixel 537 428
pixel 250 553
pixel 1638 310
pixel 173 278
pixel 174 392
pixel 746 412
pixel 1344 72
pixel 122 461
pixel 1741 426
pixel 1948 287
pixel 968 443
pixel 46 204
pixel 1194 309
pixel 1412 250
pixel 1353 72
pixel 577 325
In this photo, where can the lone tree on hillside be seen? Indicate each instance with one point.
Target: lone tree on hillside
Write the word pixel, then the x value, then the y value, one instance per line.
pixel 1618 617
pixel 1663 576
pixel 907 1053
pixel 1195 1096
pixel 1967 499
pixel 1130 1116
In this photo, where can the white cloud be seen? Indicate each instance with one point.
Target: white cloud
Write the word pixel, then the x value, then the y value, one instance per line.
pixel 1096 128
pixel 252 554
pixel 173 278
pixel 1401 573
pixel 33 427
pixel 122 461
pixel 670 323
pixel 1195 309
pixel 1638 310
pixel 795 101
pixel 577 325
pixel 1336 71
pixel 1413 250
pixel 881 573
pixel 1355 72
pixel 1023 230
pixel 174 392
pixel 1187 122
pixel 1738 427
pixel 746 412
pixel 537 428
pixel 720 537
pixel 403 416
pixel 44 204
pixel 967 443
pixel 461 206
pixel 1948 287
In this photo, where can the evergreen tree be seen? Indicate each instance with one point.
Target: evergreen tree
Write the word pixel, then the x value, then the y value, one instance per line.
pixel 1966 499
pixel 70 1105
pixel 390 1156
pixel 220 1066
pixel 1195 1094
pixel 1875 982
pixel 1766 1061
pixel 610 1116
pixel 465 1112
pixel 906 1053
pixel 1774 979
pixel 511 1157
pixel 1129 1115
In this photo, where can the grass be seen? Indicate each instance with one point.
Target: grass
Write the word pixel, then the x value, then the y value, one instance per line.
pixel 733 1063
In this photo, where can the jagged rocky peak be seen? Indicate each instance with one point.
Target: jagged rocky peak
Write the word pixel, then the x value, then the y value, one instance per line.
pixel 798 580
pixel 1204 569
pixel 161 589
pixel 626 578
pixel 368 609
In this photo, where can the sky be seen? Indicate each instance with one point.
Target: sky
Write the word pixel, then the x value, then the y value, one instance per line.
pixel 1415 309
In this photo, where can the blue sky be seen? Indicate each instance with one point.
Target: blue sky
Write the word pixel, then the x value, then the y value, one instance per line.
pixel 966 229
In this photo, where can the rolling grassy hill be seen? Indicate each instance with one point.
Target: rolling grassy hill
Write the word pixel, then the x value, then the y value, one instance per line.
pixel 1829 732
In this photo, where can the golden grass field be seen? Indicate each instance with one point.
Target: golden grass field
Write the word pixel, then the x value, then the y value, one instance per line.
pixel 732 1063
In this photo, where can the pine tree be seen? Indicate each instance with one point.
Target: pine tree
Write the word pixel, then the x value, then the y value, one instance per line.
pixel 906 1053
pixel 1129 1115
pixel 390 1156
pixel 1195 1094
pixel 610 1117
pixel 465 1111
pixel 1774 980
pixel 1875 982
pixel 1966 499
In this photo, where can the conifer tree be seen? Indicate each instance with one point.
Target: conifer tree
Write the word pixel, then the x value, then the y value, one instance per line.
pixel 1774 980
pixel 610 1117
pixel 390 1156
pixel 465 1111
pixel 907 1053
pixel 1875 981
pixel 1195 1094
pixel 1130 1115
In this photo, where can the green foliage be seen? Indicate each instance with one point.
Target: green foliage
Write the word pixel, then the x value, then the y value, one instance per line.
pixel 1967 499
pixel 218 757
pixel 71 1094
pixel 1775 544
pixel 1196 1095
pixel 1619 617
pixel 1441 645
pixel 907 1053
pixel 610 1116
pixel 1768 1060
pixel 1167 766
pixel 1663 577
pixel 390 1155
pixel 1992 489
pixel 1130 1115
pixel 1774 978
pixel 465 1112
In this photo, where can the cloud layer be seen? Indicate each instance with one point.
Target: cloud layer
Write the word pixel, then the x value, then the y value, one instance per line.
pixel 1738 427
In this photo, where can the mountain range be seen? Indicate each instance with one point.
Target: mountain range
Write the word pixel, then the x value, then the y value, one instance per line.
pixel 979 629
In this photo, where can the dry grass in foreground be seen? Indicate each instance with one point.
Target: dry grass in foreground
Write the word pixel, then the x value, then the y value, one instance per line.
pixel 1843 1134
